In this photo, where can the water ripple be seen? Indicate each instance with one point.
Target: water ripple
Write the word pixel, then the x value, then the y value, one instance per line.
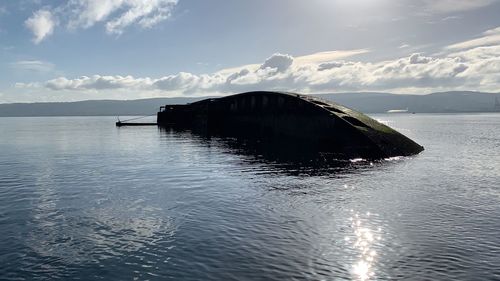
pixel 80 199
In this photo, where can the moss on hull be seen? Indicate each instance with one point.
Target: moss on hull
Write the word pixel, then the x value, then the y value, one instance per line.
pixel 308 122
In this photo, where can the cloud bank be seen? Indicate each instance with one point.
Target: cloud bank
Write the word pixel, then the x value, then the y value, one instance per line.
pixel 470 69
pixel 115 15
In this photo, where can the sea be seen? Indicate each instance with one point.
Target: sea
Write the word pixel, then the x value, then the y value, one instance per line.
pixel 81 199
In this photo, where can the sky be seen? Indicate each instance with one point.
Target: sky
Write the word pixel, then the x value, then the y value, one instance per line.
pixel 54 50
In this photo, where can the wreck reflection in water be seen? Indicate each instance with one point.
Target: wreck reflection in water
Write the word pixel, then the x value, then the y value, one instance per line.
pixel 283 155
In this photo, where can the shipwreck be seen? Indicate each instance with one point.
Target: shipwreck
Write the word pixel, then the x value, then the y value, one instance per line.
pixel 302 121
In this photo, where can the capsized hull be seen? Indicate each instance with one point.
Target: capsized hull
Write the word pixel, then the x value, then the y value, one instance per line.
pixel 299 121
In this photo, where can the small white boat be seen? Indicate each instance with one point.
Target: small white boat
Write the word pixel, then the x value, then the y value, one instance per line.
pixel 398 111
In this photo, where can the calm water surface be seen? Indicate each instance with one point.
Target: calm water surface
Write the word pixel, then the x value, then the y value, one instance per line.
pixel 81 199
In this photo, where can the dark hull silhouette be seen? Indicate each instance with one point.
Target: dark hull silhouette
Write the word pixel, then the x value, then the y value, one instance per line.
pixel 122 124
pixel 293 121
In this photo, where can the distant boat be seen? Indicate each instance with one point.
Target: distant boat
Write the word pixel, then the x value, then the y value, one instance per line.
pixel 398 111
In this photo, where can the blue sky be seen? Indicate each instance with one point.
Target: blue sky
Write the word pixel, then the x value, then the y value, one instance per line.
pixel 129 49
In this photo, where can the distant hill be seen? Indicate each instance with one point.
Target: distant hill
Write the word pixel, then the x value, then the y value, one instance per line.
pixel 446 102
pixel 91 107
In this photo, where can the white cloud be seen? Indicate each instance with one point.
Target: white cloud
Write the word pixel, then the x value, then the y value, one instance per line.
pixel 86 13
pixel 490 37
pixel 278 62
pixel 330 65
pixel 178 82
pixel 41 24
pixel 33 65
pixel 450 6
pixel 419 59
pixel 96 82
pixel 118 14
pixel 315 58
pixel 329 56
pixel 144 13
pixel 450 18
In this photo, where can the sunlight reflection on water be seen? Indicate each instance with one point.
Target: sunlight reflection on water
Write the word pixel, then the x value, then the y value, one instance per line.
pixel 363 242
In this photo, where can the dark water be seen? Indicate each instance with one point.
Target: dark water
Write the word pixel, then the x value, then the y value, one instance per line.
pixel 81 199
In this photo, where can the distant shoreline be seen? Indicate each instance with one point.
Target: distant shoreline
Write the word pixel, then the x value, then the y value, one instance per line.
pixel 369 113
pixel 370 103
